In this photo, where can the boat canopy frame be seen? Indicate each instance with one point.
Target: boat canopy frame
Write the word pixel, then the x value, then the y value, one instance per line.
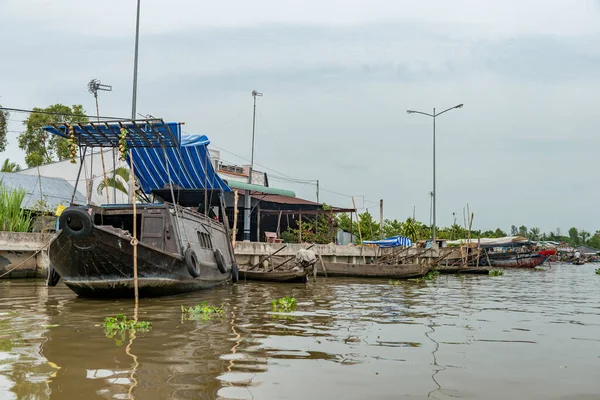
pixel 150 132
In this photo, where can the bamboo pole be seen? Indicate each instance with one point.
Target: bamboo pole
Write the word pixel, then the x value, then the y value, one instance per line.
pixel 134 239
pixel 104 172
pixel 381 219
pixel 235 216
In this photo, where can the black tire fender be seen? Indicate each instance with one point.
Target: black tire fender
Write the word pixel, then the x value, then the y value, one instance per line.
pixel 220 259
pixel 52 276
pixel 235 273
pixel 75 222
pixel 191 261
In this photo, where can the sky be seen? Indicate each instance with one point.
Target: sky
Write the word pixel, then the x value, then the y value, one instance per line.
pixel 338 77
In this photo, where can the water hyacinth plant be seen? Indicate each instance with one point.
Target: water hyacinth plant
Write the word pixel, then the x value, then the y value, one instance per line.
pixel 597 271
pixel 116 327
pixel 202 312
pixel 496 272
pixel 121 323
pixel 284 304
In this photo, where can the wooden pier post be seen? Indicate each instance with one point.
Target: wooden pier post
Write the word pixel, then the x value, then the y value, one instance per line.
pixel 235 216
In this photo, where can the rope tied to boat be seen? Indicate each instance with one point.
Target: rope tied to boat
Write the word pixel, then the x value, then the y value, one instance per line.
pixel 133 242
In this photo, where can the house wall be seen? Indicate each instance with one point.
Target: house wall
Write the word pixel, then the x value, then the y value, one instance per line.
pixel 67 170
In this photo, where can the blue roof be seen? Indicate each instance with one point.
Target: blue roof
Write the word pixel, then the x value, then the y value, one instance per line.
pixel 190 166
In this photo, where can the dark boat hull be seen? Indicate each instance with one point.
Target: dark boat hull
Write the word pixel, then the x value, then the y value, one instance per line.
pixel 400 271
pixel 101 265
pixel 516 260
pixel 275 276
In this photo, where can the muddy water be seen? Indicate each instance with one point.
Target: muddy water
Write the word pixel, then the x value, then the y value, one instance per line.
pixel 525 335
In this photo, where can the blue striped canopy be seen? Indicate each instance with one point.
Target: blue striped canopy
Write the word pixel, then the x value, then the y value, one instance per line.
pixel 189 165
pixel 394 241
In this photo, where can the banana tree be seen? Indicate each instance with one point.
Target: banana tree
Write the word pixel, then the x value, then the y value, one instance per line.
pixel 119 180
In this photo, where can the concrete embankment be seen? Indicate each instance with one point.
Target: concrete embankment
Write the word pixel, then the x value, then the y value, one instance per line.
pixel 26 251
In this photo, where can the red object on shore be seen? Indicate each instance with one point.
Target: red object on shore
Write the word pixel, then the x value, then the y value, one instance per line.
pixel 549 252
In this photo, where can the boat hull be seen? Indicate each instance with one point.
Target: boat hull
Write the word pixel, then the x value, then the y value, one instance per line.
pixel 516 260
pixel 275 276
pixel 400 271
pixel 101 265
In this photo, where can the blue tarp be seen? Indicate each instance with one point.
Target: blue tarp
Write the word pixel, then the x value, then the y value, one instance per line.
pixel 189 165
pixel 394 241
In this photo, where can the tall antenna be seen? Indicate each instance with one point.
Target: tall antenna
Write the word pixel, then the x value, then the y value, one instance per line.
pixel 93 87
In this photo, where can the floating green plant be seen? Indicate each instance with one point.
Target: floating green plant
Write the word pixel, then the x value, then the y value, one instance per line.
pixel 395 283
pixel 284 304
pixel 597 271
pixel 121 323
pixel 431 275
pixel 116 327
pixel 496 272
pixel 202 312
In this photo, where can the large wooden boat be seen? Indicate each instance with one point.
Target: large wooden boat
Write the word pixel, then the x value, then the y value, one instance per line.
pixel 178 251
pixel 175 241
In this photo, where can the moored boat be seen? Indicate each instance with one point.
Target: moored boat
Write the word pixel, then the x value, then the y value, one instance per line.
pixel 176 245
pixel 399 271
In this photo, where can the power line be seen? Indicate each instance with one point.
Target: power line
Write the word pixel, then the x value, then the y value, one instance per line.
pixel 56 113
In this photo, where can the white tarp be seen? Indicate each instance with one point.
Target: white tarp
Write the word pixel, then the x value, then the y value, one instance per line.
pixel 490 241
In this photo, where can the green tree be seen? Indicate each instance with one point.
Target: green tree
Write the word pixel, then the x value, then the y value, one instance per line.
pixel 513 230
pixel 534 233
pixel 3 126
pixel 584 235
pixel 594 241
pixel 10 166
pixel 39 147
pixel 574 236
pixel 119 180
pixel 392 228
pixel 499 233
pixel 523 231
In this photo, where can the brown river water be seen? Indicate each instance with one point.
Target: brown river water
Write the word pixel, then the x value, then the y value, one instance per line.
pixel 530 334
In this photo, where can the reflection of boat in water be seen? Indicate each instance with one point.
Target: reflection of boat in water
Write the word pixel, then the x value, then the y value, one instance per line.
pixel 179 249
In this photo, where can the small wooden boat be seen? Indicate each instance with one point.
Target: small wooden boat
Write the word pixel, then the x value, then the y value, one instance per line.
pixel 399 271
pixel 579 261
pixel 291 276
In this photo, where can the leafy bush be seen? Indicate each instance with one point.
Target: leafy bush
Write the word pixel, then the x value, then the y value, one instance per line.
pixel 496 272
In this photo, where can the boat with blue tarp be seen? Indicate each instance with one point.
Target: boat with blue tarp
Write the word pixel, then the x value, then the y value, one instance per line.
pixel 179 242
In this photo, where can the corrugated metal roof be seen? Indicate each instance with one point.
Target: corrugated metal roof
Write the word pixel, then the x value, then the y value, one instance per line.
pixel 259 189
pixel 54 191
pixel 277 198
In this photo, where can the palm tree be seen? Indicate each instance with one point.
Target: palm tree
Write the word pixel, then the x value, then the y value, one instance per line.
pixel 10 166
pixel 534 233
pixel 119 180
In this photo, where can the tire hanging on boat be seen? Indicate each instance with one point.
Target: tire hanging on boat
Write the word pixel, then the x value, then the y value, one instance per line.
pixel 220 259
pixel 75 222
pixel 191 261
pixel 52 276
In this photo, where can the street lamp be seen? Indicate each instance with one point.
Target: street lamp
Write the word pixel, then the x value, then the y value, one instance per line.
pixel 247 199
pixel 433 115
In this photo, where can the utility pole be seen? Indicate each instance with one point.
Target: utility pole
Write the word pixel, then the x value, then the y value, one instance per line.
pixel 381 219
pixel 247 199
pixel 134 96
pixel 317 190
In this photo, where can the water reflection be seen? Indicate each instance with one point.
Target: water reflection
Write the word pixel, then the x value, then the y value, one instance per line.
pixel 529 332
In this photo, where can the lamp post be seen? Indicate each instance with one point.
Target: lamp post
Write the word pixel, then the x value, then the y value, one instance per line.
pixel 247 199
pixel 433 115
